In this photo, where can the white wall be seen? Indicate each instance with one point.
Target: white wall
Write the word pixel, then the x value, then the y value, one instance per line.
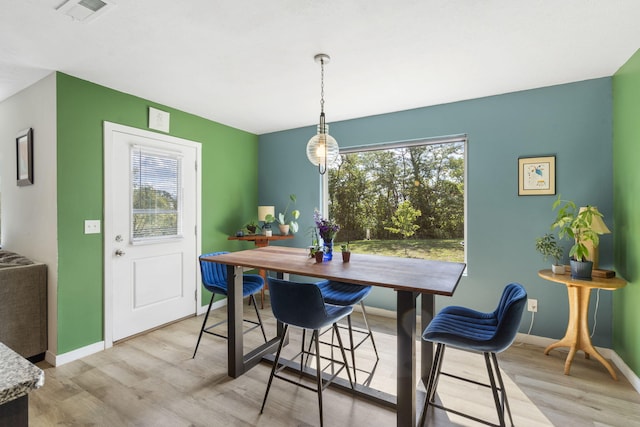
pixel 29 213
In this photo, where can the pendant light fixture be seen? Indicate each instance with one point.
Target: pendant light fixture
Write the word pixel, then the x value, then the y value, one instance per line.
pixel 322 149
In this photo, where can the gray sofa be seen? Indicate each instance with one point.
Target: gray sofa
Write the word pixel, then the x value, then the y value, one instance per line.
pixel 23 305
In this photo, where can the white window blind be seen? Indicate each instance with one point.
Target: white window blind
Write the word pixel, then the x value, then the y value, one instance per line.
pixel 155 194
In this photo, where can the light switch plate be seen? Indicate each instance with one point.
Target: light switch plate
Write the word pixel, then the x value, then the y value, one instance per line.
pixel 92 226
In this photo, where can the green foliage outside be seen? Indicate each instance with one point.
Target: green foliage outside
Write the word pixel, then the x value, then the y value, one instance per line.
pixel 436 249
pixel 403 220
pixel 155 213
pixel 366 189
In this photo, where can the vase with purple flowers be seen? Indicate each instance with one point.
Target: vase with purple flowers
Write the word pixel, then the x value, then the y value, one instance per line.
pixel 327 229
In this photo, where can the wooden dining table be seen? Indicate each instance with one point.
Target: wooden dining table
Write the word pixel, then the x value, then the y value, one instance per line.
pixel 408 277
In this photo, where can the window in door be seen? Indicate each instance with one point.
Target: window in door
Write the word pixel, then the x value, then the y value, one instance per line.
pixel 155 195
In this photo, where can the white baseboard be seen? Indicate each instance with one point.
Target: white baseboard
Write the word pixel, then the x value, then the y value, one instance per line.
pixel 61 359
pixel 377 311
pixel 626 370
pixel 203 308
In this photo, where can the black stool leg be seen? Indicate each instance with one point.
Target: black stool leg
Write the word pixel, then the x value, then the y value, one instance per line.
pixel 494 389
pixel 255 306
pixel 344 354
pixel 318 374
pixel 204 325
pixel 432 382
pixel 275 365
pixel 505 400
pixel 353 350
pixel 366 323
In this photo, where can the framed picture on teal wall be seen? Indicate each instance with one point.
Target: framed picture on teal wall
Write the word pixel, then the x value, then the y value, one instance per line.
pixel 24 157
pixel 536 176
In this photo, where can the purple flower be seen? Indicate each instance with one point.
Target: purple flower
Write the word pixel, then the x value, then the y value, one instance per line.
pixel 326 228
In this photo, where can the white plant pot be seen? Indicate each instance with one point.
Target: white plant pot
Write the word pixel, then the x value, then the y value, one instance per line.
pixel 557 269
pixel 284 229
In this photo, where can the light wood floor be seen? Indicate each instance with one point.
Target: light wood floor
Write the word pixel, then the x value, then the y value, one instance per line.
pixel 151 380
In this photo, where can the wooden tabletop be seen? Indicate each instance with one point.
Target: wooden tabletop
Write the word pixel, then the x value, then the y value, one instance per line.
pixel 611 283
pixel 407 274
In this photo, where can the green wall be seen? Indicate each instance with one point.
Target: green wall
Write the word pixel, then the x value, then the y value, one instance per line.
pixel 229 192
pixel 571 121
pixel 626 179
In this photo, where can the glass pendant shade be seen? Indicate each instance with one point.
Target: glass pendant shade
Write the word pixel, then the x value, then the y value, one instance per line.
pixel 322 149
pixel 321 146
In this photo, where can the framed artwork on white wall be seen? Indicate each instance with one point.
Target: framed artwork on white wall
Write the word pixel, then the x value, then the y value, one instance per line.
pixel 24 157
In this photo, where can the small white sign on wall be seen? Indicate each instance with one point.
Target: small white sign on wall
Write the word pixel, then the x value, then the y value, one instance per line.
pixel 159 120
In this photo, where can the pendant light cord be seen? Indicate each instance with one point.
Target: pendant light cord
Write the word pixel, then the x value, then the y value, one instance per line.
pixel 322 85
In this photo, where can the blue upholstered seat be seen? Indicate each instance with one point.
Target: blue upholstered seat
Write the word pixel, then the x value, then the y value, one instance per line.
pixel 339 293
pixel 489 333
pixel 302 305
pixel 349 294
pixel 214 279
pixel 470 329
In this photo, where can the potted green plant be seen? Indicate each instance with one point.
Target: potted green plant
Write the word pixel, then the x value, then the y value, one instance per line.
pixel 548 246
pixel 252 226
pixel 574 223
pixel 283 224
pixel 346 252
pixel 315 251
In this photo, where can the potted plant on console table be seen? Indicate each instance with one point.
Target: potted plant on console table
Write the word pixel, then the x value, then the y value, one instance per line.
pixel 579 224
pixel 283 224
pixel 548 246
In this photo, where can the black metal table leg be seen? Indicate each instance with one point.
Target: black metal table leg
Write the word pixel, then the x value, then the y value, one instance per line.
pixel 426 347
pixel 235 347
pixel 406 348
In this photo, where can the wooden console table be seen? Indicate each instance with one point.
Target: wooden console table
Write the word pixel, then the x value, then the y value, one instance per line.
pixel 260 240
pixel 577 335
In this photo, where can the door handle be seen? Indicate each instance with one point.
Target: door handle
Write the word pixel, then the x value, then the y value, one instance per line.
pixel 119 252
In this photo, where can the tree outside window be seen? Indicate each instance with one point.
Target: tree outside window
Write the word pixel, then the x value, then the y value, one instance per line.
pixel 375 195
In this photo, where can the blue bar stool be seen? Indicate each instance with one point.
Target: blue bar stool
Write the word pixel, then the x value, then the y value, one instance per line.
pixel 214 279
pixel 301 305
pixel 348 294
pixel 487 333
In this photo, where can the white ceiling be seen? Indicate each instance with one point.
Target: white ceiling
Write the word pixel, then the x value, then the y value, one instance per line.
pixel 249 63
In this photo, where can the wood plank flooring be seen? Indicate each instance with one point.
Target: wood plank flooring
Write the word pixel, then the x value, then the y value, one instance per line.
pixel 151 380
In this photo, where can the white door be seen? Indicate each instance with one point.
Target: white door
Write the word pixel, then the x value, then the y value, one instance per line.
pixel 152 190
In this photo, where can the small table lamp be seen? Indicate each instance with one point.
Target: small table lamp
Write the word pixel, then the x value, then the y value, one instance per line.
pixel 598 225
pixel 263 211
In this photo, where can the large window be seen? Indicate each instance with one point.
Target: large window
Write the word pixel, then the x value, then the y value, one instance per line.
pixel 404 199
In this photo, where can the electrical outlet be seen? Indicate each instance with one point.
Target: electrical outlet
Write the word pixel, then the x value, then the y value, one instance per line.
pixel 532 305
pixel 92 226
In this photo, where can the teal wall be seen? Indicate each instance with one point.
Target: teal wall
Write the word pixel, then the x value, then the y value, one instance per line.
pixel 571 121
pixel 626 192
pixel 229 192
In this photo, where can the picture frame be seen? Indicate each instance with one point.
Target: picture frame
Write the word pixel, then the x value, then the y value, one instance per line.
pixel 24 157
pixel 537 176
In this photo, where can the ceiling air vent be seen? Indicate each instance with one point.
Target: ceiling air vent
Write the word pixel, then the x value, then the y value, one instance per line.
pixel 84 10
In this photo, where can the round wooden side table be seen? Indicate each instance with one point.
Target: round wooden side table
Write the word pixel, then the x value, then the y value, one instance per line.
pixel 577 335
